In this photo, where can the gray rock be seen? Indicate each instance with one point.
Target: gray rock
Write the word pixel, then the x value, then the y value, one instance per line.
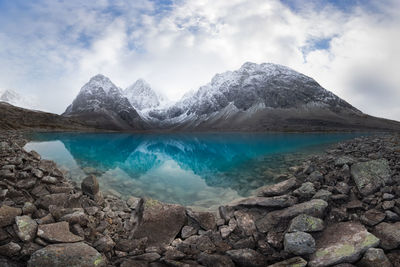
pixel 389 234
pixel 344 160
pixel 147 257
pixel 267 202
pixel 372 217
pixel 315 208
pixel 188 231
pixel 323 194
pixel 292 262
pixel 134 202
pixel 245 223
pixel 374 257
pixel 90 186
pixel 305 191
pixel 28 208
pixel 29 248
pixel 306 223
pixel 49 180
pixel 46 200
pixel 10 249
pixel 26 228
pixel 299 243
pixel 342 243
pixel 227 230
pixel 215 260
pixel 205 220
pixel 391 216
pixel 57 233
pixel 160 222
pixel 277 189
pixel 247 257
pixel 173 254
pixel 315 176
pixel 104 244
pixel 66 255
pixel 8 214
pixel 371 175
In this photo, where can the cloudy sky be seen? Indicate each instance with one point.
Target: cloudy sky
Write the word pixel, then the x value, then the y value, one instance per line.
pixel 49 48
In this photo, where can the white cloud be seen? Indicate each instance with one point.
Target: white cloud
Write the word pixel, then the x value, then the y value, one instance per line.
pixel 181 48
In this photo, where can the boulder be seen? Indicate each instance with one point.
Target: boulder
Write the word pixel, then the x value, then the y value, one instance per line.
pixel 299 243
pixel 277 189
pixel 104 244
pixel 66 255
pixel 90 186
pixel 206 220
pixel 215 260
pixel 26 228
pixel 58 200
pixel 8 214
pixel 10 249
pixel 305 191
pixel 371 175
pixel 323 194
pixel 374 257
pixel 306 223
pixel 267 202
pixel 314 207
pixel 247 257
pixel 160 222
pixel 57 233
pixel 188 231
pixel 389 234
pixel 342 243
pixel 344 160
pixel 245 223
pixel 292 262
pixel 372 217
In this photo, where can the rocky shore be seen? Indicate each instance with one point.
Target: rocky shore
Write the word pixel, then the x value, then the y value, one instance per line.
pixel 338 209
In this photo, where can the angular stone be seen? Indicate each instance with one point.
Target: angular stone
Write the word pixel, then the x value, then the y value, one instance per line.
pixel 52 199
pixel 245 223
pixel 90 186
pixel 299 243
pixel 306 223
pixel 277 189
pixel 29 248
pixel 372 217
pixel 28 208
pixel 315 208
pixel 206 220
pixel 389 234
pixel 147 257
pixel 57 233
pixel 292 262
pixel 26 183
pixel 104 244
pixel 323 194
pixel 134 202
pixel 342 243
pixel 10 249
pixel 188 231
pixel 315 176
pixel 374 257
pixel 247 257
pixel 267 202
pixel 160 222
pixel 215 260
pixel 26 228
pixel 305 191
pixel 49 180
pixel 8 214
pixel 371 175
pixel 344 160
pixel 66 255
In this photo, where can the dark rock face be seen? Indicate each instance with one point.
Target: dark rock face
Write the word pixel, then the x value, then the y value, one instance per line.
pixel 100 103
pixel 66 255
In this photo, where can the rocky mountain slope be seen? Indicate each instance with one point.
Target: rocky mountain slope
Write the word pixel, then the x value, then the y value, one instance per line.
pixel 142 96
pixel 102 104
pixel 15 118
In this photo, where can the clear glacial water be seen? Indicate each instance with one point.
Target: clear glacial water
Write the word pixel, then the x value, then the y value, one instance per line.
pixel 201 170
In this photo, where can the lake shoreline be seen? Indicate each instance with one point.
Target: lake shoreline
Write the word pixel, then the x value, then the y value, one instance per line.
pixel 292 222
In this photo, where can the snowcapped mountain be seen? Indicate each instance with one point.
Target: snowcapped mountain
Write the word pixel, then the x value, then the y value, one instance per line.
pixel 100 103
pixel 13 98
pixel 142 96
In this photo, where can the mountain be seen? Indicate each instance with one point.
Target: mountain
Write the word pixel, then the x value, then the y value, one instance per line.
pixel 16 118
pixel 142 96
pixel 102 104
pixel 264 97
pixel 15 99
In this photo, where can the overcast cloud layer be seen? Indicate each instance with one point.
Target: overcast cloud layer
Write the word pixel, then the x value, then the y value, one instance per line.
pixel 49 49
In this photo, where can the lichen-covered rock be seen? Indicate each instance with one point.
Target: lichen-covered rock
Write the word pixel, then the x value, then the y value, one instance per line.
pixel 57 233
pixel 306 223
pixel 160 222
pixel 277 189
pixel 342 243
pixel 26 228
pixel 389 234
pixel 314 207
pixel 374 257
pixel 247 257
pixel 66 255
pixel 305 191
pixel 292 262
pixel 8 214
pixel 371 175
pixel 299 243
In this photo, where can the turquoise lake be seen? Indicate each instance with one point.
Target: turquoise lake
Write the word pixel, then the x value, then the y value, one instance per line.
pixel 199 170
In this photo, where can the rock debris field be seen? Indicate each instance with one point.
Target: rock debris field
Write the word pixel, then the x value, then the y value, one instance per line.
pixel 341 208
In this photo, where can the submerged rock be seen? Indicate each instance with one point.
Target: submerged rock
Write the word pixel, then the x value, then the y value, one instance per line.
pixel 66 255
pixel 342 243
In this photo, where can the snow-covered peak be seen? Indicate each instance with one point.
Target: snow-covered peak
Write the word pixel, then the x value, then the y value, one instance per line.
pixel 14 98
pixel 98 82
pixel 142 96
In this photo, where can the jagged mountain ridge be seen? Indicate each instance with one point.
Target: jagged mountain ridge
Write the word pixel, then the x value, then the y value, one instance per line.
pixel 256 97
pixel 16 99
pixel 102 104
